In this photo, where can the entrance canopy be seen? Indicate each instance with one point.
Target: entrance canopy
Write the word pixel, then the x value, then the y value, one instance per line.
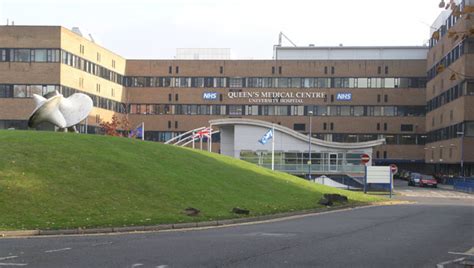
pixel 240 139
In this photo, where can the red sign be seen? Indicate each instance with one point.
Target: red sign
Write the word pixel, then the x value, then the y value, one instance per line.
pixel 365 158
pixel 393 168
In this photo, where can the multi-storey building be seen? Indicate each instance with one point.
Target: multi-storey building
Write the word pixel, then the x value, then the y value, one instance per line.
pixel 450 94
pixel 353 94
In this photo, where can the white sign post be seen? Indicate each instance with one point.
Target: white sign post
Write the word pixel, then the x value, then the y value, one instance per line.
pixel 378 175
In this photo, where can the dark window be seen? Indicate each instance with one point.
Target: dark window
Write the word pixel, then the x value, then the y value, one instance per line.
pixel 384 154
pixel 169 124
pixel 385 98
pixel 175 124
pixel 299 127
pixel 325 126
pixel 333 70
pixel 273 69
pixel 169 97
pixel 220 97
pixel 176 97
pixel 385 126
pixel 332 98
pixel 406 127
pixel 325 70
pixel 332 126
pixel 177 69
pixel 170 69
pixel 378 126
pixel 379 70
pixel 386 69
pixel 279 69
pixel 378 154
pixel 221 69
pixel 378 97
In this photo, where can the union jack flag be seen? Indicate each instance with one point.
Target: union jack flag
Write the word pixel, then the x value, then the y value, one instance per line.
pixel 203 133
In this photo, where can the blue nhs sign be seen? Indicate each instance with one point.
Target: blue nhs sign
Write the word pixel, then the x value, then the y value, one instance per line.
pixel 209 96
pixel 344 96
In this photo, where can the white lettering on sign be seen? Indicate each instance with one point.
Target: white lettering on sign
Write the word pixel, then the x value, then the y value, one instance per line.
pixel 344 96
pixel 275 96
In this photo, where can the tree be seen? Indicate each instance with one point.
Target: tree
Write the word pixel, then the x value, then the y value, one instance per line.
pixel 117 127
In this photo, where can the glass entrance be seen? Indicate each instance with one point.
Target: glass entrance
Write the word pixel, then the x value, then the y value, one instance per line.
pixel 332 162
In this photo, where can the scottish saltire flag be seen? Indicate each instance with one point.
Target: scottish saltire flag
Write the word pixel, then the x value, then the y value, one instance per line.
pixel 137 132
pixel 268 136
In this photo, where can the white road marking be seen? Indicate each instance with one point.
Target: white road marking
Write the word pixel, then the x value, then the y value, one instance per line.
pixel 56 250
pixel 442 264
pixel 162 266
pixel 461 253
pixel 7 258
pixel 12 264
pixel 137 265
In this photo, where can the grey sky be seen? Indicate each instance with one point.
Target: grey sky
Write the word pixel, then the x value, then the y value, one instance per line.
pixel 154 29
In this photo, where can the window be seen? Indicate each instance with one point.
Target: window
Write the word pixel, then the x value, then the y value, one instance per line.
pixel 40 55
pixel 385 98
pixel 384 154
pixel 273 69
pixel 176 97
pixel 177 69
pixel 332 126
pixel 405 127
pixel 221 70
pixel 169 124
pixel 299 127
pixel 378 126
pixel 386 69
pixel 385 126
pixel 377 154
pixel 378 97
pixel 325 126
pixel 20 55
pixel 19 91
pixel 3 55
pixel 170 69
pixel 236 82
pixel 279 69
pixel 379 70
pixel 333 70
pixel 175 124
pixel 325 70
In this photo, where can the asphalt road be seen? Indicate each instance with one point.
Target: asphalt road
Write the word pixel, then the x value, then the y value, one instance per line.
pixel 414 235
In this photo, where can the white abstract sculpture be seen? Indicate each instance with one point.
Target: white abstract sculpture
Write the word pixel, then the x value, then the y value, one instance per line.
pixel 61 112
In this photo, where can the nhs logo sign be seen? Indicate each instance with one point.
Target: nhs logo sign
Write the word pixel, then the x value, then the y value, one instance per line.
pixel 209 96
pixel 344 96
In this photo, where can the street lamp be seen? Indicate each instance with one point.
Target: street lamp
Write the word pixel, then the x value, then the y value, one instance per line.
pixel 462 150
pixel 310 114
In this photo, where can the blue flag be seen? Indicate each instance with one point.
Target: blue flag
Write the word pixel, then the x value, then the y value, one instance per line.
pixel 268 136
pixel 137 132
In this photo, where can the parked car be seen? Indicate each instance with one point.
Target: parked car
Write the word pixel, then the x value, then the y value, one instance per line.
pixel 414 179
pixel 428 180
pixel 405 175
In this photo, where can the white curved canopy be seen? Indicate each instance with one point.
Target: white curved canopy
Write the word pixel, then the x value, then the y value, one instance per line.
pixel 295 134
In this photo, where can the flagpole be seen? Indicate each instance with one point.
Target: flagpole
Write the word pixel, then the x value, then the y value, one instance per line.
pixel 193 139
pixel 209 140
pixel 273 147
pixel 143 131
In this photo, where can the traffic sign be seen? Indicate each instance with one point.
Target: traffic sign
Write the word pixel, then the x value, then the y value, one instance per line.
pixel 365 158
pixel 393 168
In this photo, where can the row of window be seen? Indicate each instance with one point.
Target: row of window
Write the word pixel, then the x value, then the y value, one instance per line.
pixel 452 132
pixel 280 110
pixel 464 88
pixel 29 55
pixel 90 67
pixel 27 91
pixel 466 46
pixel 57 55
pixel 272 82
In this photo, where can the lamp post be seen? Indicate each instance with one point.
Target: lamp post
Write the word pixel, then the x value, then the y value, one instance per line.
pixel 461 172
pixel 310 114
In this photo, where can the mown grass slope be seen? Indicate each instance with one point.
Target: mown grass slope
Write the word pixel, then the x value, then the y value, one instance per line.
pixel 63 180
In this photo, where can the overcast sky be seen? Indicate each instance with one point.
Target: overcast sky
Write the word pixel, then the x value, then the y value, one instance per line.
pixel 154 29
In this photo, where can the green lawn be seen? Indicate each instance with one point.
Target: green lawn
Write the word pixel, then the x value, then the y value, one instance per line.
pixel 62 180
